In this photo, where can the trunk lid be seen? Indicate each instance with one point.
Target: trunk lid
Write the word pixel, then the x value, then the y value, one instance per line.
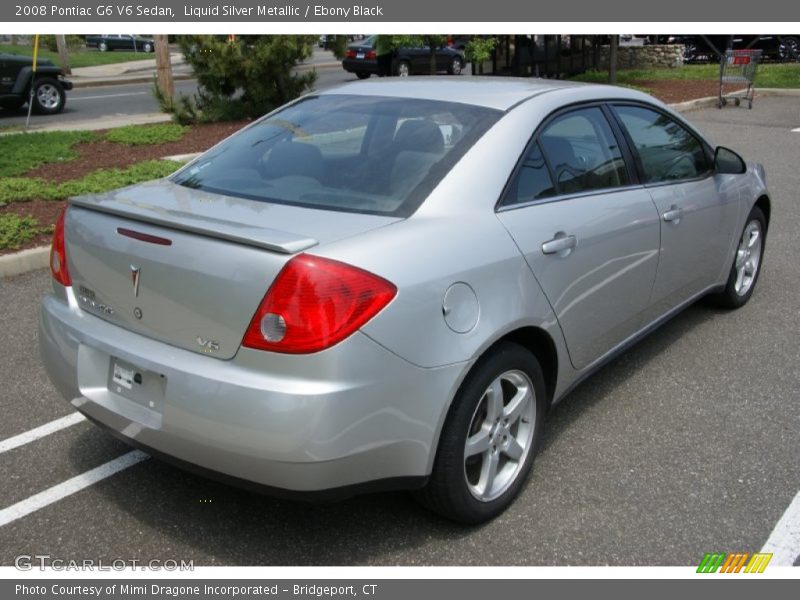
pixel 189 267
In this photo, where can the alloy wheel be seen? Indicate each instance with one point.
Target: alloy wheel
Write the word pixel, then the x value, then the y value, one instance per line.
pixel 748 258
pixel 500 435
pixel 48 96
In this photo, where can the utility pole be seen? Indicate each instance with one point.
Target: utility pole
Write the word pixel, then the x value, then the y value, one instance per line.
pixel 63 56
pixel 612 60
pixel 164 67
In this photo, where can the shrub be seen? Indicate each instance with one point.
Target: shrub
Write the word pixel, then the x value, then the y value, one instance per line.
pixel 16 230
pixel 244 77
pixel 143 135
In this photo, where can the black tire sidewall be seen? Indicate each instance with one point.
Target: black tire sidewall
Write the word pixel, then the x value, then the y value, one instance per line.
pixel 43 110
pixel 447 478
pixel 729 298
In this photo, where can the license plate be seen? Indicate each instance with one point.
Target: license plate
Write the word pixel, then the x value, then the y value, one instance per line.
pixel 136 384
pixel 360 55
pixel 122 376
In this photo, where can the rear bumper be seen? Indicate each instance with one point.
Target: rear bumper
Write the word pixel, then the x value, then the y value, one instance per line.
pixel 354 65
pixel 352 416
pixel 66 84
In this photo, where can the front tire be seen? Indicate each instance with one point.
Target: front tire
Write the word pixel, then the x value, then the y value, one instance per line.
pixel 747 262
pixel 489 438
pixel 789 49
pixel 147 48
pixel 48 96
pixel 12 104
pixel 456 67
pixel 403 68
pixel 103 47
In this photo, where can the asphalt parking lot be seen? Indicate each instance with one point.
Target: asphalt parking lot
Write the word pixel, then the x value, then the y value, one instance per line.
pixel 686 444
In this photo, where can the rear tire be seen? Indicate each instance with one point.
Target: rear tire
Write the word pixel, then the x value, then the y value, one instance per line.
pixel 363 75
pixel 48 96
pixel 489 438
pixel 103 47
pixel 747 260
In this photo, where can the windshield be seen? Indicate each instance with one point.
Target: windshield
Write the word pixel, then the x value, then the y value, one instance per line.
pixel 365 154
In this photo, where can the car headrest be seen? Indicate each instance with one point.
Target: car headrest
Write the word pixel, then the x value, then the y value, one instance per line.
pixel 559 151
pixel 419 135
pixel 294 158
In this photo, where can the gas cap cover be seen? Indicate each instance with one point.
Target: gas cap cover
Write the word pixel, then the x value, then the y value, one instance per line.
pixel 460 307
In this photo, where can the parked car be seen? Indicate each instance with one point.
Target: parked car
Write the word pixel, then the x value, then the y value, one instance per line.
pixel 362 60
pixel 16 77
pixel 774 47
pixel 106 43
pixel 377 287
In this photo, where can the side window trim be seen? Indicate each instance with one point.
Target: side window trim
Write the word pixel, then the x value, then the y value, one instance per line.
pixel 635 154
pixel 622 142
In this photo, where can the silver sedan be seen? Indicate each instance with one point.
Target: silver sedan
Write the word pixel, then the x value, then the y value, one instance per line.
pixel 388 284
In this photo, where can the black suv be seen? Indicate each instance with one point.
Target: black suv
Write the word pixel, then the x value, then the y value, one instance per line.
pixel 49 85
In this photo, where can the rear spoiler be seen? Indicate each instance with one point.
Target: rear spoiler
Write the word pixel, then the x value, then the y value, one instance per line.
pixel 261 237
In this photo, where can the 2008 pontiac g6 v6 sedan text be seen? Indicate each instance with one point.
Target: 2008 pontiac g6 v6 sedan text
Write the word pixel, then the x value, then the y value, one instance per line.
pixel 379 287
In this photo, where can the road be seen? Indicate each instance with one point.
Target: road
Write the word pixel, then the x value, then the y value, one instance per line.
pixel 132 99
pixel 686 444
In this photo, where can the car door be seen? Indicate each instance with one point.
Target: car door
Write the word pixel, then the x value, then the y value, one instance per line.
pixel 588 231
pixel 698 211
pixel 7 76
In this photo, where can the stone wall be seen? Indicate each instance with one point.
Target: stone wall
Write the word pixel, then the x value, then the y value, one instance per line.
pixel 644 57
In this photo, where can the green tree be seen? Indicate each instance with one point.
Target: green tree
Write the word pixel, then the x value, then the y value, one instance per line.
pixel 479 50
pixel 432 42
pixel 243 76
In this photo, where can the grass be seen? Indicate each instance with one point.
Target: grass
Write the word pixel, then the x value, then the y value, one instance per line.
pixel 82 57
pixel 16 230
pixel 23 189
pixel 19 153
pixel 767 75
pixel 142 135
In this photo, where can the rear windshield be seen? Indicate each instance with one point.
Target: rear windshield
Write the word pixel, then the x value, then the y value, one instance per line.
pixel 363 154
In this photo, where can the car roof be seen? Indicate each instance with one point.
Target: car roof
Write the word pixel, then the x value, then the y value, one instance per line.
pixel 500 93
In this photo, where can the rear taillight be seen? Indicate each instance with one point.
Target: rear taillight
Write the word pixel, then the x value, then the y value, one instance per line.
pixel 371 55
pixel 58 253
pixel 315 303
pixel 350 54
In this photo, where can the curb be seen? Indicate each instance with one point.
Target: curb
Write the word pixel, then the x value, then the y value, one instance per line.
pixel 100 123
pixel 109 81
pixel 38 258
pixel 24 261
pixel 695 104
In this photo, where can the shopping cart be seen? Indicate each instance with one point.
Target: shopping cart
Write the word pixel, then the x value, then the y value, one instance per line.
pixel 738 69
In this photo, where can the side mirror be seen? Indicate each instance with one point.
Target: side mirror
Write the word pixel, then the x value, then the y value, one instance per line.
pixel 727 162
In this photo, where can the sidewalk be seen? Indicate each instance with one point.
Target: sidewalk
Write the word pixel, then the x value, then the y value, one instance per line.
pixel 143 71
pixel 134 71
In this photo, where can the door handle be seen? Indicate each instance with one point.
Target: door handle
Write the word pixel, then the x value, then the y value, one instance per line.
pixel 560 243
pixel 673 215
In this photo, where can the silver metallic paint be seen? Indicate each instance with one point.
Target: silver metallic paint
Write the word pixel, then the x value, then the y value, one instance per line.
pixel 373 406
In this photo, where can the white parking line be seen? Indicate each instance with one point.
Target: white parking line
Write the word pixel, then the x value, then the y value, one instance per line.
pixel 34 434
pixel 784 541
pixel 69 487
pixel 74 98
pixel 796 130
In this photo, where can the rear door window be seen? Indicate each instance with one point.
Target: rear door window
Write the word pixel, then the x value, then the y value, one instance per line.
pixel 582 152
